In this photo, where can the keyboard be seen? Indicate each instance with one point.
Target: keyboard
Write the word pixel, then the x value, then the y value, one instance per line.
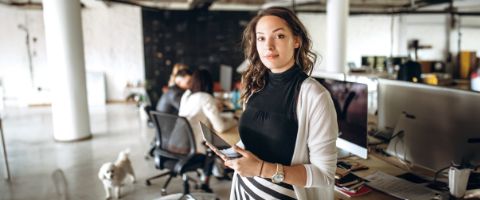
pixel 383 135
pixel 401 188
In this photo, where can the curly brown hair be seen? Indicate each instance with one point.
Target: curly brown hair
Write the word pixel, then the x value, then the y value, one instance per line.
pixel 254 78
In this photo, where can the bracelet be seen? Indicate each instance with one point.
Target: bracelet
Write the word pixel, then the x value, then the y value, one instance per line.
pixel 261 168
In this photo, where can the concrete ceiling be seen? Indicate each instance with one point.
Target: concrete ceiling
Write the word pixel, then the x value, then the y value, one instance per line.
pixel 471 7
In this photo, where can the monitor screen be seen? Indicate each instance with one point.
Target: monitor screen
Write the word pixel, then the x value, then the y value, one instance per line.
pixel 368 61
pixel 351 103
pixel 441 126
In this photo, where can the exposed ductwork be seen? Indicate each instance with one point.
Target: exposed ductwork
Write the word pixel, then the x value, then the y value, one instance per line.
pixel 460 7
pixel 25 4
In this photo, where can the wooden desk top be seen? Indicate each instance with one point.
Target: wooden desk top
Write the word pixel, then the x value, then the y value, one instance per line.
pixel 375 164
pixel 389 165
pixel 231 135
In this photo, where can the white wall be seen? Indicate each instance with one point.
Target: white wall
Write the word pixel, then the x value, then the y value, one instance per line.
pixel 316 25
pixel 367 35
pixel 113 45
pixel 372 34
pixel 429 30
pixel 14 66
pixel 470 30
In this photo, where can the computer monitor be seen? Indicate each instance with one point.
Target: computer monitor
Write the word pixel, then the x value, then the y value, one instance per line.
pixel 380 63
pixel 226 73
pixel 351 103
pixel 439 125
pixel 375 62
pixel 368 61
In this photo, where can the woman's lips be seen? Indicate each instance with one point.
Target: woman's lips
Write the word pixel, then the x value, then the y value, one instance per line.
pixel 271 57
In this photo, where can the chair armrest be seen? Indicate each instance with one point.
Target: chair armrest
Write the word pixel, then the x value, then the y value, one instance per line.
pixel 166 154
pixel 181 164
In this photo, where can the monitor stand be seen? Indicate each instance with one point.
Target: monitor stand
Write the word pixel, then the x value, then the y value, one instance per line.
pixel 342 154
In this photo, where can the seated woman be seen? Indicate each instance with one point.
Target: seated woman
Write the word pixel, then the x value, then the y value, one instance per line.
pixel 199 105
pixel 170 100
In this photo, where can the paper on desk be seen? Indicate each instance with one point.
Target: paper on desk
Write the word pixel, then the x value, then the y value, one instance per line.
pixel 401 188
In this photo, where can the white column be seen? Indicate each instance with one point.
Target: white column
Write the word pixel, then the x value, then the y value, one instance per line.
pixel 337 16
pixel 397 34
pixel 64 41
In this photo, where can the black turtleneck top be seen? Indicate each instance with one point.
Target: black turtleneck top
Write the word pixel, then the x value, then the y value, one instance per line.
pixel 268 126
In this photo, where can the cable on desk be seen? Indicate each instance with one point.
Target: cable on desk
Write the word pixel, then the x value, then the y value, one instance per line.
pixel 438 172
pixel 397 134
pixel 403 161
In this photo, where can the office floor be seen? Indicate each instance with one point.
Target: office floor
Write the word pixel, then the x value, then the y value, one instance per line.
pixel 44 169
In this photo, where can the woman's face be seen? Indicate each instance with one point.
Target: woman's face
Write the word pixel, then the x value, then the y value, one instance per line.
pixel 275 43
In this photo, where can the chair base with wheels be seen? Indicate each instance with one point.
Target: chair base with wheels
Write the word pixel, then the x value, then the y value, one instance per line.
pixel 164 188
pixel 175 151
pixel 169 164
pixel 186 195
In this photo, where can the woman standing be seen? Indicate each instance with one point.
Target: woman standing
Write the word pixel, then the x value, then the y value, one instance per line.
pixel 288 129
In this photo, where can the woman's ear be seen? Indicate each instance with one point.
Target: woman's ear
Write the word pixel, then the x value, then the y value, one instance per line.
pixel 297 42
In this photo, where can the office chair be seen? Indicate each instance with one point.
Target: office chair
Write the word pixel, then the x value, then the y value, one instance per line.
pixel 150 124
pixel 153 96
pixel 176 150
pixel 153 93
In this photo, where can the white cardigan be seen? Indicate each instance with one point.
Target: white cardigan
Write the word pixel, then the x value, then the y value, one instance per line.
pixel 315 147
pixel 202 107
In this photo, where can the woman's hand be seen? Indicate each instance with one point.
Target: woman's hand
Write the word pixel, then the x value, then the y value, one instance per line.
pixel 248 165
pixel 215 150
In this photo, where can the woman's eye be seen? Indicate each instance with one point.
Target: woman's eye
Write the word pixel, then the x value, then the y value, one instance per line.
pixel 280 36
pixel 260 38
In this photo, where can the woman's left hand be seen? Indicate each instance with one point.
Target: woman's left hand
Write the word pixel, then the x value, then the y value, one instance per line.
pixel 248 165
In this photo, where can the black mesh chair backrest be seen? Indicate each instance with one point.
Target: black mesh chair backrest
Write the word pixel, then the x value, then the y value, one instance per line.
pixel 174 134
pixel 154 92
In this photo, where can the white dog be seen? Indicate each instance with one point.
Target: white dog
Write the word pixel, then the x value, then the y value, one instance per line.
pixel 113 175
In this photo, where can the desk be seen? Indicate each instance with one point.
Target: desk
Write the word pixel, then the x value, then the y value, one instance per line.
pixel 231 135
pixel 375 164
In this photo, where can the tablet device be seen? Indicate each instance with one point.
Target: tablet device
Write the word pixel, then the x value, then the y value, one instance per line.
pixel 212 138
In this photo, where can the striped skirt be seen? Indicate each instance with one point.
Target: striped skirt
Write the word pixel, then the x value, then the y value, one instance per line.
pixel 260 188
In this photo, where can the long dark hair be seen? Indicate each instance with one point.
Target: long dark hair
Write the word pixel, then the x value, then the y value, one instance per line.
pixel 254 77
pixel 201 82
